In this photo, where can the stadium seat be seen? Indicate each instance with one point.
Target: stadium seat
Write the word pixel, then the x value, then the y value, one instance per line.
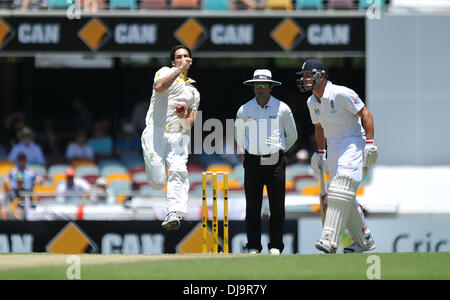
pixel 136 170
pixel 238 173
pixel 82 162
pixel 279 4
pixel 57 178
pixel 195 177
pixel 194 168
pixel 60 4
pixel 123 4
pixel 154 4
pixel 299 185
pixel 109 161
pixel 5 162
pixel 185 4
pixel 5 169
pixel 38 168
pixel 43 189
pixel 92 179
pixel 118 177
pixel 216 5
pixel 113 168
pixel 364 4
pixel 148 191
pixel 131 161
pixel 139 177
pixel 340 4
pixel 295 170
pixel 120 188
pixel 309 4
pixel 56 169
pixel 85 170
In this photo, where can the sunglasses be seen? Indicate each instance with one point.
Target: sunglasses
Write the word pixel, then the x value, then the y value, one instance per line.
pixel 262 85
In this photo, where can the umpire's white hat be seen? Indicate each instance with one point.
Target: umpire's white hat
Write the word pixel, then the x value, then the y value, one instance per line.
pixel 262 75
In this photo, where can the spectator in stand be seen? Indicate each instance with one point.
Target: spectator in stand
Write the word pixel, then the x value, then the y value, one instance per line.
pixel 128 142
pixel 48 141
pixel 20 178
pixel 101 194
pixel 72 184
pixel 26 145
pixel 79 149
pixel 100 142
pixel 31 4
pixel 93 5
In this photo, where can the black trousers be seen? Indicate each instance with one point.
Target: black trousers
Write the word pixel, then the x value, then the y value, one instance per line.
pixel 274 177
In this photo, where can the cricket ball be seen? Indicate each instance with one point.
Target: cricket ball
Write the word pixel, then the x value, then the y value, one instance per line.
pixel 179 108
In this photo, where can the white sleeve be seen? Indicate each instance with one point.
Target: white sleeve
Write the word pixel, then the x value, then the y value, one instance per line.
pixel 196 103
pixel 312 113
pixel 163 72
pixel 352 101
pixel 288 122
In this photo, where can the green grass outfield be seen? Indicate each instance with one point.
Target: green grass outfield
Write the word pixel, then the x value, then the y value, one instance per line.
pixel 227 267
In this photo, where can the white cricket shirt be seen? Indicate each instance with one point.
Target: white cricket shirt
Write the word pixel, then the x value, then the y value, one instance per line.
pixel 265 130
pixel 336 112
pixel 161 112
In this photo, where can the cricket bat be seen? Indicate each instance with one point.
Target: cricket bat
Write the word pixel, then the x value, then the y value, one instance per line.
pixel 323 196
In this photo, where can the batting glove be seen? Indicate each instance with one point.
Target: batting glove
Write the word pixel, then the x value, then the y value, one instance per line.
pixel 370 153
pixel 319 162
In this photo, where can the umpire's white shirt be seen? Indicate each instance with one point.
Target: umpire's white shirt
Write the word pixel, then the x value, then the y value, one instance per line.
pixel 265 130
pixel 336 112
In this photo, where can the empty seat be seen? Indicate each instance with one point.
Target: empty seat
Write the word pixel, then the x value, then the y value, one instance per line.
pixel 38 168
pixel 117 177
pixel 295 170
pixel 123 4
pixel 148 191
pixel 154 4
pixel 309 4
pixel 85 170
pixel 132 161
pixel 340 4
pixel 82 162
pixel 92 179
pixel 216 5
pixel 47 189
pixel 111 169
pixel 139 177
pixel 185 4
pixel 136 170
pixel 279 4
pixel 56 169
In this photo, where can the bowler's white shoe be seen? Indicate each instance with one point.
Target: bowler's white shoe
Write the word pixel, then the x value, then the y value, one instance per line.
pixel 253 251
pixel 274 251
pixel 355 248
pixel 172 221
pixel 325 246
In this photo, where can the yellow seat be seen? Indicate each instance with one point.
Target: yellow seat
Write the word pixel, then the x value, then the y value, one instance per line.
pixel 232 184
pixel 83 162
pixel 4 169
pixel 57 178
pixel 220 168
pixel 4 162
pixel 279 4
pixel 117 176
pixel 43 189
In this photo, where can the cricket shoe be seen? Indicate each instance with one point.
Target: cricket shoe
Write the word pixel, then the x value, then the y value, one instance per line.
pixel 325 246
pixel 253 251
pixel 355 248
pixel 172 221
pixel 274 251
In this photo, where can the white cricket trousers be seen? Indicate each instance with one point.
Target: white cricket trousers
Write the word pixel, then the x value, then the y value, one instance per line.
pixel 167 151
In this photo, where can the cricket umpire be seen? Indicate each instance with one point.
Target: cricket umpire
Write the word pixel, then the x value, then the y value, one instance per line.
pixel 265 129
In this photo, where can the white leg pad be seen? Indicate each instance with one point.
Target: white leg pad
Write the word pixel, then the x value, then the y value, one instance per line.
pixel 355 225
pixel 341 196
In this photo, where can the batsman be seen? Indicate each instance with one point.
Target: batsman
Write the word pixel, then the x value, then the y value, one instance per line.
pixel 344 131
